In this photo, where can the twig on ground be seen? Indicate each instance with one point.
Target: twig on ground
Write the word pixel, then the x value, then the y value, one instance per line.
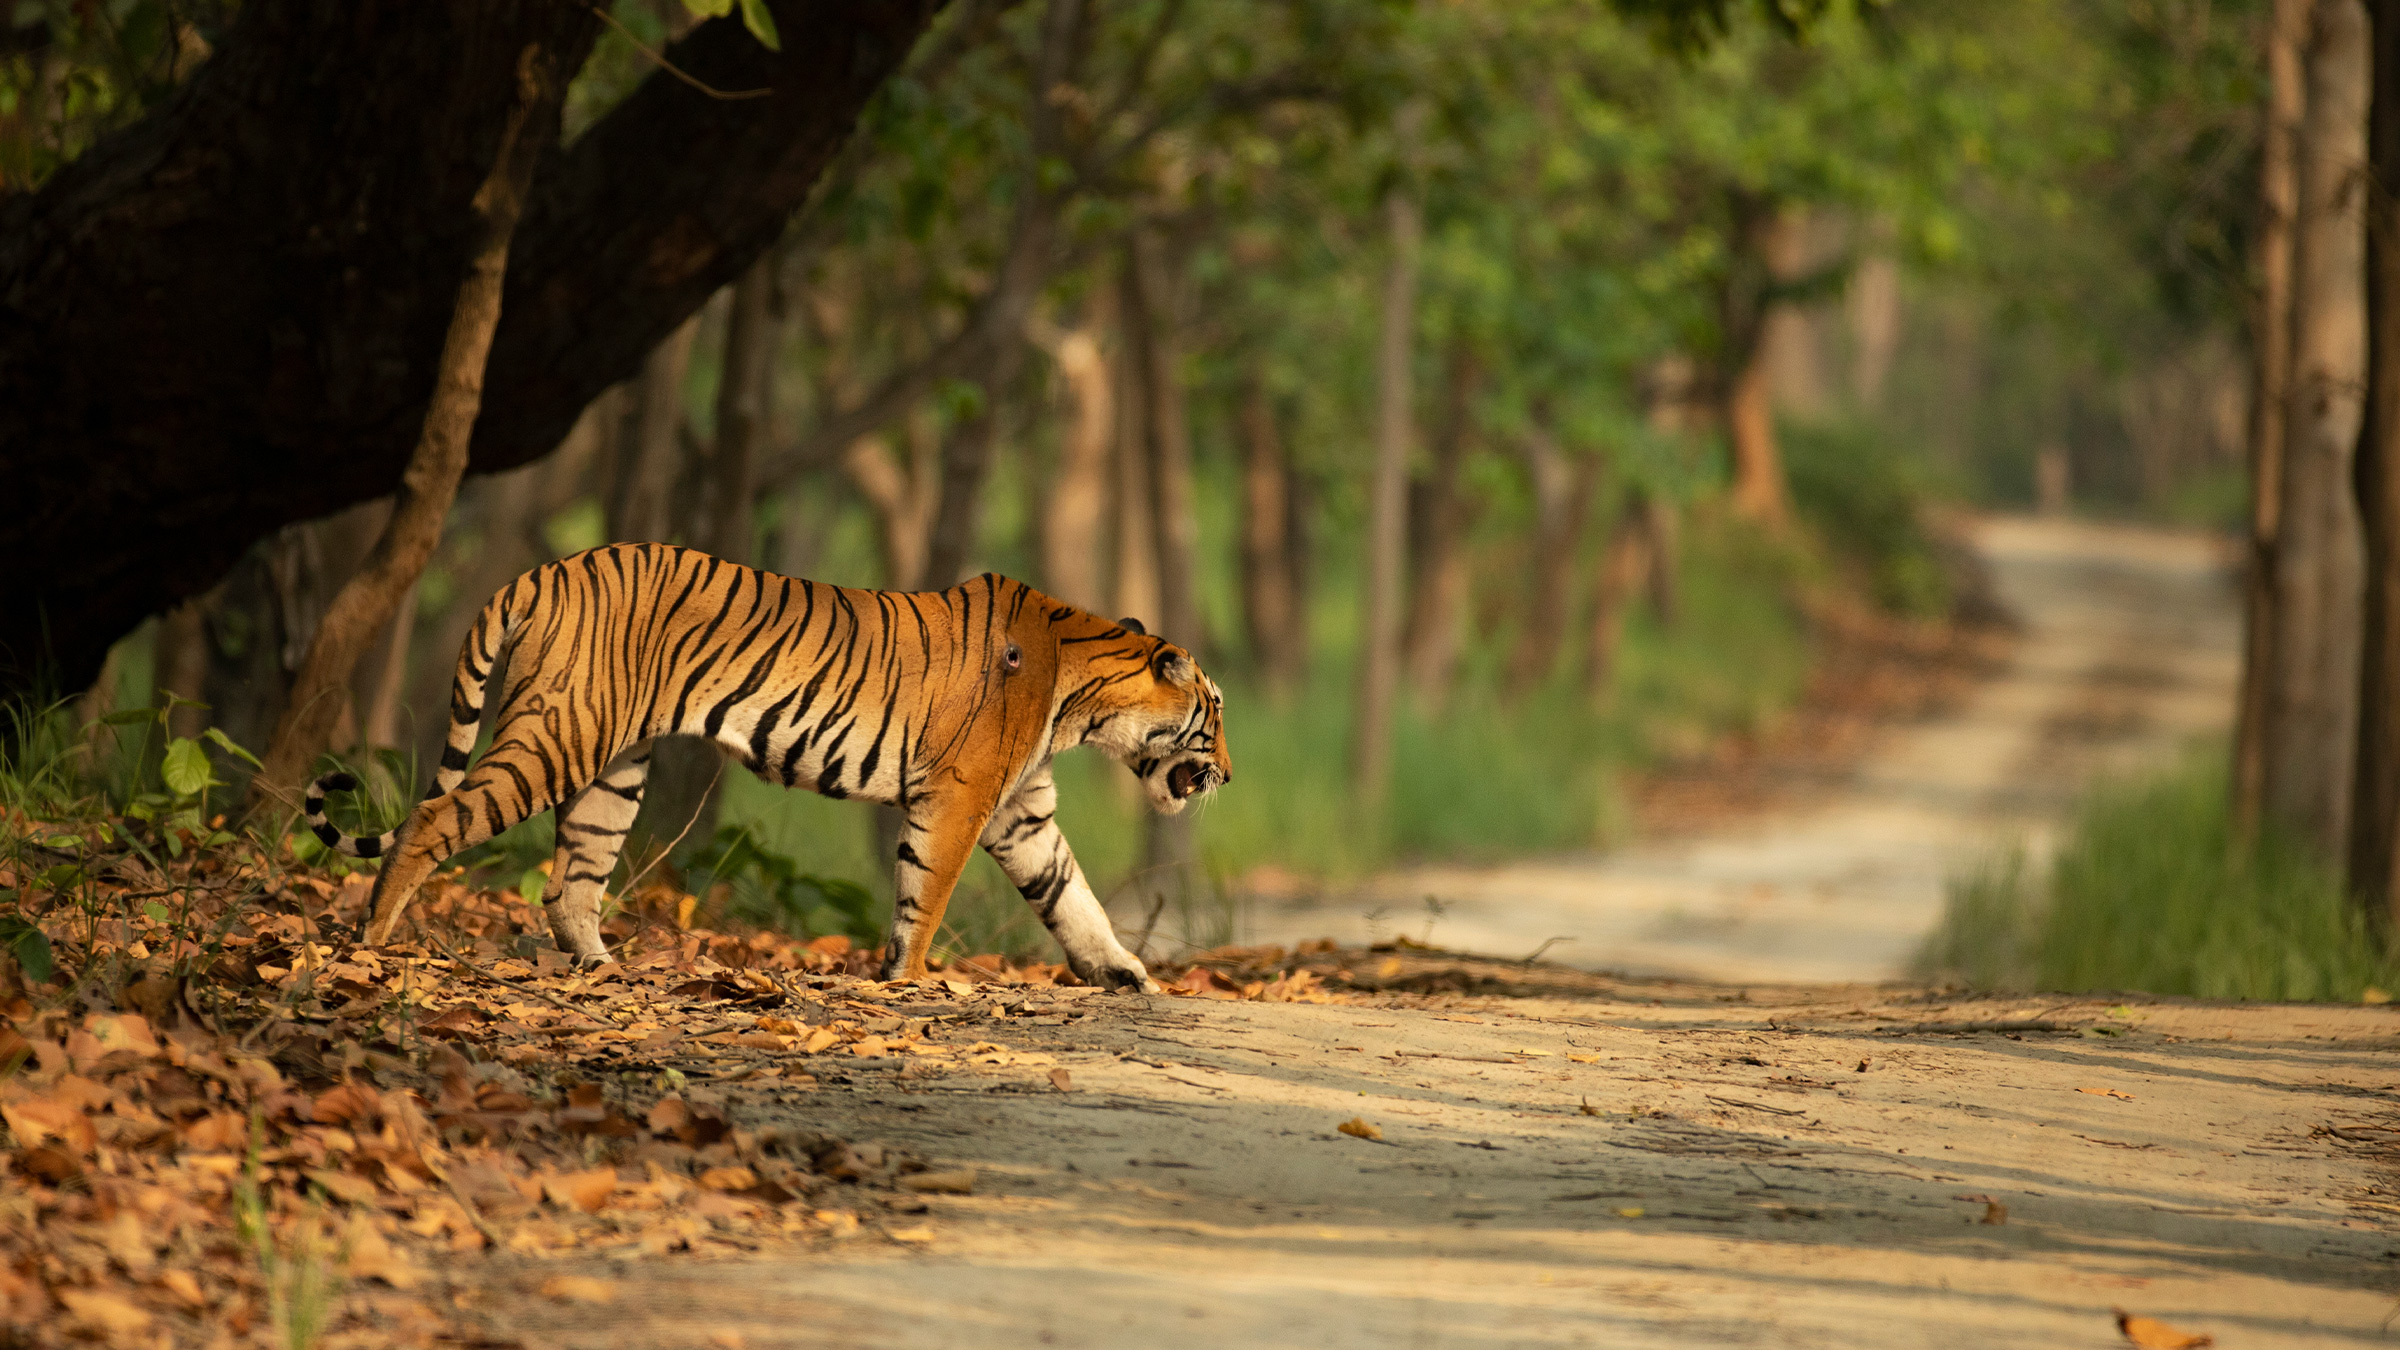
pixel 469 962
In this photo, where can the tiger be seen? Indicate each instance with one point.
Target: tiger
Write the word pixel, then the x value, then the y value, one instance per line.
pixel 949 705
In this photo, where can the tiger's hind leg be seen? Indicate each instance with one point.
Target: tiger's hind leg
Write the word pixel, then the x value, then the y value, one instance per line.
pixel 591 833
pixel 502 789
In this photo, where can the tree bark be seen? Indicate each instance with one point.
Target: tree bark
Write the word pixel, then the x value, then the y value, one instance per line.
pixel 365 605
pixel 2270 376
pixel 2312 713
pixel 216 250
pixel 1153 326
pixel 1076 505
pixel 1562 495
pixel 2375 816
pixel 1270 592
pixel 902 497
pixel 1441 512
pixel 649 450
pixel 1387 503
pixel 745 395
pixel 1626 561
pixel 1767 245
pixel 1134 585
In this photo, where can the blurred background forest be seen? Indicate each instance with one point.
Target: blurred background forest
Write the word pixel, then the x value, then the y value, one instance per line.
pixel 1497 396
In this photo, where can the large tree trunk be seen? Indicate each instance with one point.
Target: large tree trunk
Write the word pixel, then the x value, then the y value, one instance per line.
pixel 1387 503
pixel 1440 513
pixel 2312 714
pixel 1626 561
pixel 745 396
pixel 2270 376
pixel 366 603
pixel 194 315
pixel 2375 812
pixel 1134 583
pixel 1271 607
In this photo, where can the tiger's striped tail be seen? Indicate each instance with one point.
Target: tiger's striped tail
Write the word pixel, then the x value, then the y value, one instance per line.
pixel 478 663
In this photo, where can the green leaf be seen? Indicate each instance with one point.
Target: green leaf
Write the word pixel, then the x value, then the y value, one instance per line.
pixel 530 885
pixel 30 945
pixel 709 9
pixel 158 913
pixel 761 24
pixel 62 876
pixel 129 717
pixel 226 743
pixel 186 770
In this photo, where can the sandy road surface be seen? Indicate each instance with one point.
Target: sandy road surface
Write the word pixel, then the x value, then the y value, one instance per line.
pixel 2130 650
pixel 1742 1182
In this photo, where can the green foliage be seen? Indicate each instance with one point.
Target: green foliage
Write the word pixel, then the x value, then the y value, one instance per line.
pixel 2152 893
pixel 1866 498
pixel 768 888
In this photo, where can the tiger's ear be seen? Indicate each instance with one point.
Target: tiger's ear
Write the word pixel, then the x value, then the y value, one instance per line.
pixel 1171 666
pixel 1133 626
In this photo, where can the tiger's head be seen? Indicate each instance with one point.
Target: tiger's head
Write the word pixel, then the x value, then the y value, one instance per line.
pixel 1147 704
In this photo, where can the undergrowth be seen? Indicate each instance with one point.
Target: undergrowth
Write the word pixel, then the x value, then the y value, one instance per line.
pixel 2151 893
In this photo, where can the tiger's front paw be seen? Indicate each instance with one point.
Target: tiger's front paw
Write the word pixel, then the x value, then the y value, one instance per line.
pixel 1125 975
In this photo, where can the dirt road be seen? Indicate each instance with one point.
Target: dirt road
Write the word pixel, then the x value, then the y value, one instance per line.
pixel 1604 1164
pixel 1574 1159
pixel 2130 650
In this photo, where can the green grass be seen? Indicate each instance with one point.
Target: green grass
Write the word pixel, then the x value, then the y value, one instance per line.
pixel 2150 893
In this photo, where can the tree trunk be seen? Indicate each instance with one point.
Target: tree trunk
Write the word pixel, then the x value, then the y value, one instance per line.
pixel 1562 495
pixel 1075 507
pixel 181 663
pixel 903 498
pixel 2270 376
pixel 1441 512
pixel 386 688
pixel 2375 829
pixel 1135 584
pixel 649 451
pixel 967 454
pixel 1153 326
pixel 1270 593
pixel 365 605
pixel 1768 240
pixel 2312 713
pixel 745 394
pixel 246 190
pixel 1872 304
pixel 1626 561
pixel 1387 504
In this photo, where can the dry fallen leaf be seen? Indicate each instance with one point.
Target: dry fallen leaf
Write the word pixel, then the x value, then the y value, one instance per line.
pixel 2152 1334
pixel 1589 1109
pixel 1584 1059
pixel 1994 1212
pixel 2106 1092
pixel 586 1191
pixel 1631 1212
pixel 579 1289
pixel 1062 1080
pixel 1358 1128
pixel 960 1182
pixel 105 1313
pixel 729 1178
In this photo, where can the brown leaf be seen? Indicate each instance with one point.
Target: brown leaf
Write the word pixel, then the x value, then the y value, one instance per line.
pixel 670 1116
pixel 960 1182
pixel 346 1105
pixel 579 1289
pixel 372 1257
pixel 104 1313
pixel 50 1163
pixel 1994 1213
pixel 586 1191
pixel 343 1186
pixel 2106 1092
pixel 1062 1080
pixel 40 1119
pixel 2152 1334
pixel 185 1287
pixel 729 1178
pixel 1358 1128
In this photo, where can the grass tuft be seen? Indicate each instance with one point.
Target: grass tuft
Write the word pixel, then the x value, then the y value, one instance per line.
pixel 2151 893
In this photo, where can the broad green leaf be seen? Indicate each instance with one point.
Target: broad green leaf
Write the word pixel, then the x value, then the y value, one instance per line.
pixel 186 769
pixel 62 876
pixel 158 913
pixel 30 945
pixel 761 24
pixel 709 9
pixel 227 744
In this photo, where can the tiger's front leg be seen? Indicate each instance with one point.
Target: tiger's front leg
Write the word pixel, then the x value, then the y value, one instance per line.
pixel 1024 838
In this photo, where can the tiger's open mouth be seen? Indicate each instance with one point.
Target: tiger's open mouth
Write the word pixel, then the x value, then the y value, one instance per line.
pixel 1186 778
